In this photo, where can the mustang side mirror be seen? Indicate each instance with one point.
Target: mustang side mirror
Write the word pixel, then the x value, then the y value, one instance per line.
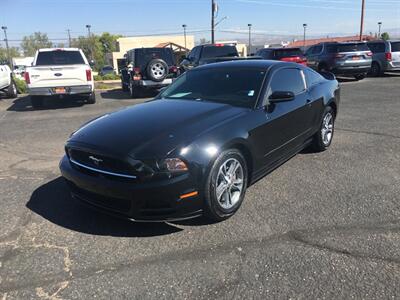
pixel 280 96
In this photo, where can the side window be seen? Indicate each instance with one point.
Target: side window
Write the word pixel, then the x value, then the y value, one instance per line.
pixel 287 80
pixel 312 77
pixel 197 53
pixel 192 53
pixel 310 51
pixel 317 49
pixel 380 48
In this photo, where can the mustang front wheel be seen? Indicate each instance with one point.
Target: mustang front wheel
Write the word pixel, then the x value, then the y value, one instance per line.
pixel 226 185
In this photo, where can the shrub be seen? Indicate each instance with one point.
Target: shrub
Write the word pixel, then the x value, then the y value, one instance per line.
pixel 106 77
pixel 21 86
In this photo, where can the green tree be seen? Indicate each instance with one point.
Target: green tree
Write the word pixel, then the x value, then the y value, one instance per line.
pixel 13 53
pixel 385 36
pixel 96 47
pixel 34 42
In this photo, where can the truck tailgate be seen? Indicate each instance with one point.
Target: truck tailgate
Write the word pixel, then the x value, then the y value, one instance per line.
pixel 58 76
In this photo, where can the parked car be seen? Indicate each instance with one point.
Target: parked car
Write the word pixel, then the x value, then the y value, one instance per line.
pixel 386 56
pixel 210 53
pixel 59 72
pixel 7 84
pixel 148 69
pixel 106 70
pixel 283 54
pixel 352 58
pixel 196 148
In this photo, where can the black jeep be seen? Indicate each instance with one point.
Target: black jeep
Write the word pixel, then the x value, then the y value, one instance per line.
pixel 148 68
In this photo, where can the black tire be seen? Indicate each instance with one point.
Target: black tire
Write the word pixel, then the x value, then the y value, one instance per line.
pixel 125 88
pixel 157 70
pixel 37 102
pixel 376 69
pixel 360 76
pixel 319 143
pixel 135 91
pixel 12 90
pixel 92 98
pixel 213 207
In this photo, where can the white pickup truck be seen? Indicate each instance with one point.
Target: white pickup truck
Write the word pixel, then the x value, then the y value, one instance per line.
pixel 7 84
pixel 59 72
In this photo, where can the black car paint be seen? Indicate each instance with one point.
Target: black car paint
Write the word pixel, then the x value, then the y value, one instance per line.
pixel 268 135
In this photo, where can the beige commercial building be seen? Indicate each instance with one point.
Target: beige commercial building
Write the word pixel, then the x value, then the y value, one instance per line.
pixel 127 43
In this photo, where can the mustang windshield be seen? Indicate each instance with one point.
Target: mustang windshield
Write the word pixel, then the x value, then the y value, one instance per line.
pixel 237 87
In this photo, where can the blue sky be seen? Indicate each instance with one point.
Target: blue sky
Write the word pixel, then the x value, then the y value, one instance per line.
pixel 141 17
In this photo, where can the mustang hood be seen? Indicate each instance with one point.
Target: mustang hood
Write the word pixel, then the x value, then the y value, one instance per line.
pixel 152 129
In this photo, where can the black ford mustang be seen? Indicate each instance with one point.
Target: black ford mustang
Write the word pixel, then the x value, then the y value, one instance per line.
pixel 196 148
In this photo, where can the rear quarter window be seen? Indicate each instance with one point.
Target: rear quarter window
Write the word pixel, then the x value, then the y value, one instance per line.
pixel 395 46
pixel 312 77
pixel 223 51
pixel 59 57
pixel 144 56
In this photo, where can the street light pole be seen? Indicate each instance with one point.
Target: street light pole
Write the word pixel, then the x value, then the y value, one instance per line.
pixel 6 40
pixel 184 34
pixel 249 25
pixel 304 36
pixel 90 41
pixel 362 19
pixel 380 25
pixel 69 38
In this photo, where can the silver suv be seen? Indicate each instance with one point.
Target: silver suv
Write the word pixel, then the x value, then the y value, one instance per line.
pixel 386 56
pixel 351 58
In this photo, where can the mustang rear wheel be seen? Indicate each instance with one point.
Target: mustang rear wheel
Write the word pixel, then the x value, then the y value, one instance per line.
pixel 226 185
pixel 323 138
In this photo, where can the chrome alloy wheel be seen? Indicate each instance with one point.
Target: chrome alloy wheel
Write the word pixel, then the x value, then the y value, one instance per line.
pixel 158 70
pixel 327 129
pixel 229 183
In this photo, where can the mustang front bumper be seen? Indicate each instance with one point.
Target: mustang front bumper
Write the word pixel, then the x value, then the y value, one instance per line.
pixel 138 201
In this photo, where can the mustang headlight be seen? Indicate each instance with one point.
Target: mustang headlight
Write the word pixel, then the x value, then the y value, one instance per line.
pixel 173 165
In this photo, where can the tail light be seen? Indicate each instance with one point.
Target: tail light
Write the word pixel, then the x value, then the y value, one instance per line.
pixel 27 78
pixel 388 56
pixel 136 74
pixel 219 45
pixel 89 75
pixel 369 54
pixel 296 59
pixel 173 69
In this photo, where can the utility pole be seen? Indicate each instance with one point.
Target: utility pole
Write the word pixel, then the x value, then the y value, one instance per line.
pixel 213 10
pixel 304 36
pixel 69 37
pixel 362 19
pixel 6 40
pixel 90 41
pixel 184 35
pixel 380 25
pixel 249 37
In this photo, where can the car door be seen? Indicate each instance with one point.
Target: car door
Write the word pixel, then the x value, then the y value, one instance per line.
pixel 285 125
pixel 313 56
pixel 3 76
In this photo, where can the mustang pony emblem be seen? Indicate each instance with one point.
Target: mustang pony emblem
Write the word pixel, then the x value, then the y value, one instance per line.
pixel 96 160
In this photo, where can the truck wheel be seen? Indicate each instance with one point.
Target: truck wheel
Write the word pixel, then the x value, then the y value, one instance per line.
pixel 359 76
pixel 92 98
pixel 12 90
pixel 125 88
pixel 37 102
pixel 376 70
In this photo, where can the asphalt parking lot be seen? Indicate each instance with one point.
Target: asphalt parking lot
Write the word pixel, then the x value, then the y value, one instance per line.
pixel 323 225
